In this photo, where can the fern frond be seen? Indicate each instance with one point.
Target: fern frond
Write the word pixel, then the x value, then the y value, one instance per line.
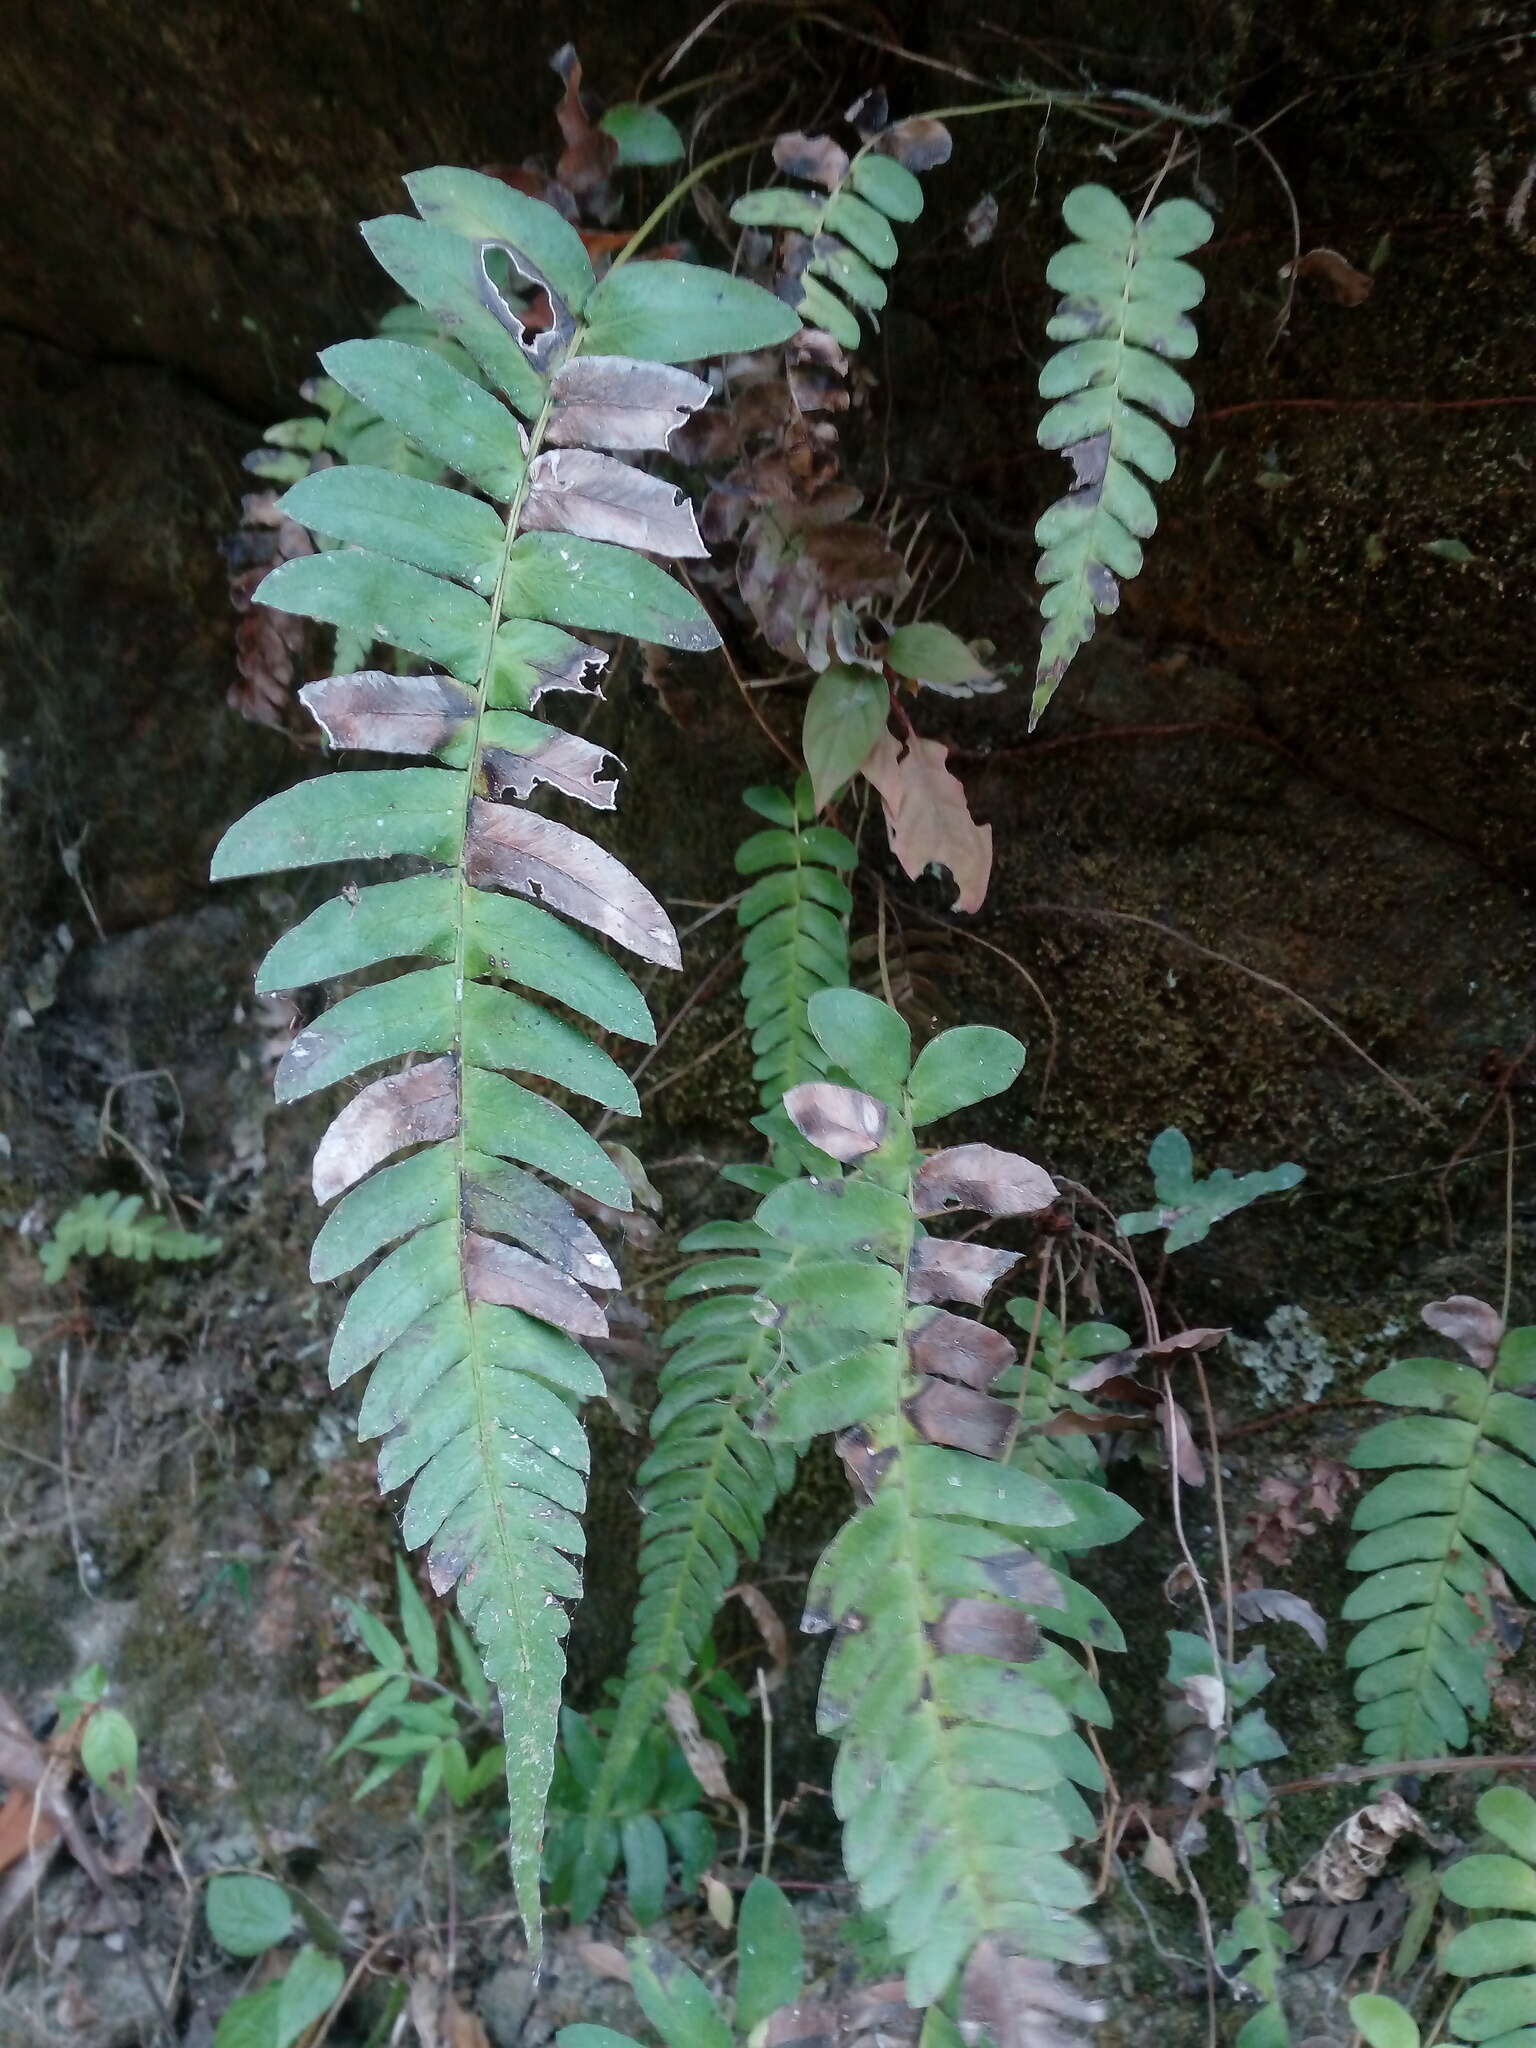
pixel 476 1371
pixel 708 1485
pixel 838 236
pixel 116 1224
pixel 1125 319
pixel 958 1768
pixel 795 916
pixel 1458 1507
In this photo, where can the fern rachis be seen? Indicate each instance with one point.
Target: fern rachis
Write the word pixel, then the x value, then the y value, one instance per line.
pixel 476 1374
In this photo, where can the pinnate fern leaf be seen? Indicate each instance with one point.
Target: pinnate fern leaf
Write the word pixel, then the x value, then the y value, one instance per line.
pixel 471 1322
pixel 118 1225
pixel 795 916
pixel 836 223
pixel 949 1686
pixel 1458 1507
pixel 1124 317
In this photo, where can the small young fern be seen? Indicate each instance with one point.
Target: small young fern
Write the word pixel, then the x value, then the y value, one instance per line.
pixel 958 1769
pixel 841 235
pixel 709 1482
pixel 795 916
pixel 116 1224
pixel 476 1374
pixel 1458 1506
pixel 1125 313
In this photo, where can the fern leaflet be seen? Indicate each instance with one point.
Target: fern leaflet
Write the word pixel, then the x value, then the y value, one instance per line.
pixel 1459 1505
pixel 471 1337
pixel 1125 313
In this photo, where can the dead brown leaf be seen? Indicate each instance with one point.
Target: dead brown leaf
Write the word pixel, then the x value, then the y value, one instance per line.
pixel 944 1269
pixel 1356 1852
pixel 844 1123
pixel 1469 1323
pixel 379 713
pixel 590 154
pixel 576 490
pixel 927 817
pixel 981 1177
pixel 772 1630
pixel 1335 273
pixel 508 1277
pixel 619 402
pixel 396 1110
pixel 510 848
pixel 956 1348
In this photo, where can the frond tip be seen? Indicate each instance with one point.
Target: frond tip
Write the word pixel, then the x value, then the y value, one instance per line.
pixel 1125 320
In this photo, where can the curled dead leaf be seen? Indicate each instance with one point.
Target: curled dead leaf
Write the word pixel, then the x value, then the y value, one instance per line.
pixel 575 490
pixel 510 848
pixel 1356 1852
pixel 509 1277
pixel 772 1630
pixel 1335 273
pixel 927 817
pixel 374 711
pixel 956 1348
pixel 620 402
pixel 815 158
pixel 1469 1323
pixel 562 760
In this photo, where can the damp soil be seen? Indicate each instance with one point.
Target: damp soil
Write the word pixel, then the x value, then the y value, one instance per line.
pixel 1264 873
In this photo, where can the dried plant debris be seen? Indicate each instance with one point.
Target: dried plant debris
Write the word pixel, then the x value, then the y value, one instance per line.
pixel 1124 318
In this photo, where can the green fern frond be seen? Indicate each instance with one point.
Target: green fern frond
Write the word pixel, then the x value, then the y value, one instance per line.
pixel 795 916
pixel 1045 1394
pixel 958 1770
pixel 838 239
pixel 476 1371
pixel 1458 1507
pixel 116 1224
pixel 1125 319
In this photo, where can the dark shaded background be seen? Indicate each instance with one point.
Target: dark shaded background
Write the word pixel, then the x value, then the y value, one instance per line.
pixel 1308 743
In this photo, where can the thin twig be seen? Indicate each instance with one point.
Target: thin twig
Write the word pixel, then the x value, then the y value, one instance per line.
pixel 1412 1767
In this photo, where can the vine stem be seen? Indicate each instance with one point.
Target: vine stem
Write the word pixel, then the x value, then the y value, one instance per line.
pixel 659 212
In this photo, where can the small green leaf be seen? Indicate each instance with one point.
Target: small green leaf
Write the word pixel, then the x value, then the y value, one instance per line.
pixel 678 2004
pixel 770 1956
pixel 1509 1813
pixel 376 1638
pixel 645 1867
pixel 1450 550
pixel 844 716
pixel 416 1620
pixel 366 815
pixel 959 1067
pixel 14 1359
pixel 109 1750
pixel 644 134
pixel 930 653
pixel 1189 1207
pixel 247 1914
pixel 886 184
pixel 584 2035
pixel 869 1040
pixel 457 421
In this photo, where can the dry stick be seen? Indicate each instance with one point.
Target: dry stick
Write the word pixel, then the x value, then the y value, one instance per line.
pixel 1269 981
pixel 1411 1767
pixel 1218 1505
pixel 1228 412
pixel 1463 1150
